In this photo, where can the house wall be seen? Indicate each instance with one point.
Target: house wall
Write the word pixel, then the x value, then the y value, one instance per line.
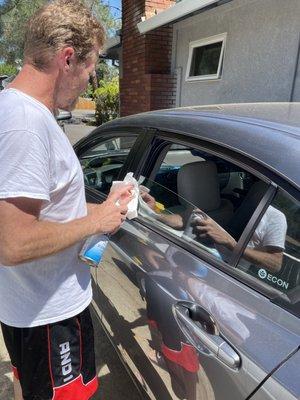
pixel 260 61
pixel 146 81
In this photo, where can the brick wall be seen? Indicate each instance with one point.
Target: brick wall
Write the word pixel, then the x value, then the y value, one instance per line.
pixel 147 83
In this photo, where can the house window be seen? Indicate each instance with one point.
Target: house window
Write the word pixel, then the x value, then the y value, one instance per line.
pixel 206 58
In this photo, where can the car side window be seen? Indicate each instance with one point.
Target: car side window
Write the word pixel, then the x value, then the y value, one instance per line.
pixel 201 198
pixel 273 253
pixel 102 162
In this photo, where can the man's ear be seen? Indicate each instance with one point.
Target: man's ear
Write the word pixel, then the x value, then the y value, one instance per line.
pixel 66 57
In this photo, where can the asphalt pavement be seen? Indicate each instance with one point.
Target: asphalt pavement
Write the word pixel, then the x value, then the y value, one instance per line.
pixel 115 383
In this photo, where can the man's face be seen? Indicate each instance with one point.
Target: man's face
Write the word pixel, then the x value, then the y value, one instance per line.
pixel 75 82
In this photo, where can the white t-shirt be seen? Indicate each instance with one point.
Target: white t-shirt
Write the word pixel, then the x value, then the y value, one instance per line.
pixel 37 161
pixel 271 230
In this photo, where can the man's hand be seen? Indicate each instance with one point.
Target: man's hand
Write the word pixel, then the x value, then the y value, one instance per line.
pixel 205 227
pixel 148 199
pixel 109 215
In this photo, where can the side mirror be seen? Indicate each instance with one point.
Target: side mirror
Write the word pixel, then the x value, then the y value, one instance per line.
pixel 2 78
pixel 63 115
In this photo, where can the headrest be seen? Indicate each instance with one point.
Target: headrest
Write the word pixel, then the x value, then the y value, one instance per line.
pixel 198 183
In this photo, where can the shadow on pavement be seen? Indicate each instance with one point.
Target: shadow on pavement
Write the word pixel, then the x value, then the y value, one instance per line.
pixel 6 386
pixel 115 384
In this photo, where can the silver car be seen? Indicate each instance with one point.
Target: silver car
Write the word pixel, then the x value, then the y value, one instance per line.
pixel 200 294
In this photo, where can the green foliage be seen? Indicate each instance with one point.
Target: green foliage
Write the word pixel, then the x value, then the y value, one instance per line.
pixel 89 92
pixel 14 15
pixel 101 10
pixel 107 101
pixel 13 18
pixel 8 69
pixel 105 71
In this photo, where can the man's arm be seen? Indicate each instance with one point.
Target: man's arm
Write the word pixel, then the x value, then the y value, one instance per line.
pixel 90 207
pixel 267 257
pixel 23 237
pixel 173 220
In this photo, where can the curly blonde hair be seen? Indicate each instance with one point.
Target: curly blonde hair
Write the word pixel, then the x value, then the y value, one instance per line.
pixel 59 24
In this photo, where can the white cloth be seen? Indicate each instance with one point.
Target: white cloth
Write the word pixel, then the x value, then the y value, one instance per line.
pixel 133 204
pixel 37 161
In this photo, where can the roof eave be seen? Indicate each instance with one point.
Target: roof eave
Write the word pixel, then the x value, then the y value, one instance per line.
pixel 172 14
pixel 112 42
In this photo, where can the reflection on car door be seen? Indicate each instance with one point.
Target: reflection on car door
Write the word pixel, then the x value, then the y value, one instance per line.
pixel 141 281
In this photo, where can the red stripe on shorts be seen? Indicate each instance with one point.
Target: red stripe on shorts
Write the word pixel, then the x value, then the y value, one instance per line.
pixel 76 390
pixel 15 372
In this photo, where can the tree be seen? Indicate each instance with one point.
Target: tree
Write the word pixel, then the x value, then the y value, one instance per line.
pixel 7 5
pixel 103 12
pixel 14 15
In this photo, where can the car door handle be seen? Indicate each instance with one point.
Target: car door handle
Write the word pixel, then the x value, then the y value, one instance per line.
pixel 197 324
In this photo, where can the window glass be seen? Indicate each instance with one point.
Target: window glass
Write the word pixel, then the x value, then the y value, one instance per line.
pixel 273 253
pixel 200 198
pixel 102 163
pixel 206 58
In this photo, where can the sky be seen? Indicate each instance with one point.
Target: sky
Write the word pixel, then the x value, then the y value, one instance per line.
pixel 115 3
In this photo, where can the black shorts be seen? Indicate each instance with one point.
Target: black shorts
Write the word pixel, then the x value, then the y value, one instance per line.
pixel 55 361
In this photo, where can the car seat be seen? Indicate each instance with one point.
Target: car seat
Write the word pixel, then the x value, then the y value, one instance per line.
pixel 198 183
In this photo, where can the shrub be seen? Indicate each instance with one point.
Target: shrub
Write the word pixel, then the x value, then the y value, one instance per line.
pixel 107 101
pixel 7 69
pixel 89 93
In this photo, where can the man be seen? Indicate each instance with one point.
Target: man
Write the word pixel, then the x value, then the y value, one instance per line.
pixel 44 288
pixel 265 249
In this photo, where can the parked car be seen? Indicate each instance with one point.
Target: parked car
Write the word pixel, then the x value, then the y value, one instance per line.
pixel 62 117
pixel 200 294
pixel 5 80
pixel 2 81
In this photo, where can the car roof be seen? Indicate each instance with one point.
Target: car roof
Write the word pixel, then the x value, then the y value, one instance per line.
pixel 268 133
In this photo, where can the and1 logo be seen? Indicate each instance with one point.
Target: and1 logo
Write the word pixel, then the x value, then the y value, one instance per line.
pixel 66 363
pixel 262 273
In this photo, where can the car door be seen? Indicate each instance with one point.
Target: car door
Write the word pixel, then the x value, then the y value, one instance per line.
pixel 283 383
pixel 191 319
